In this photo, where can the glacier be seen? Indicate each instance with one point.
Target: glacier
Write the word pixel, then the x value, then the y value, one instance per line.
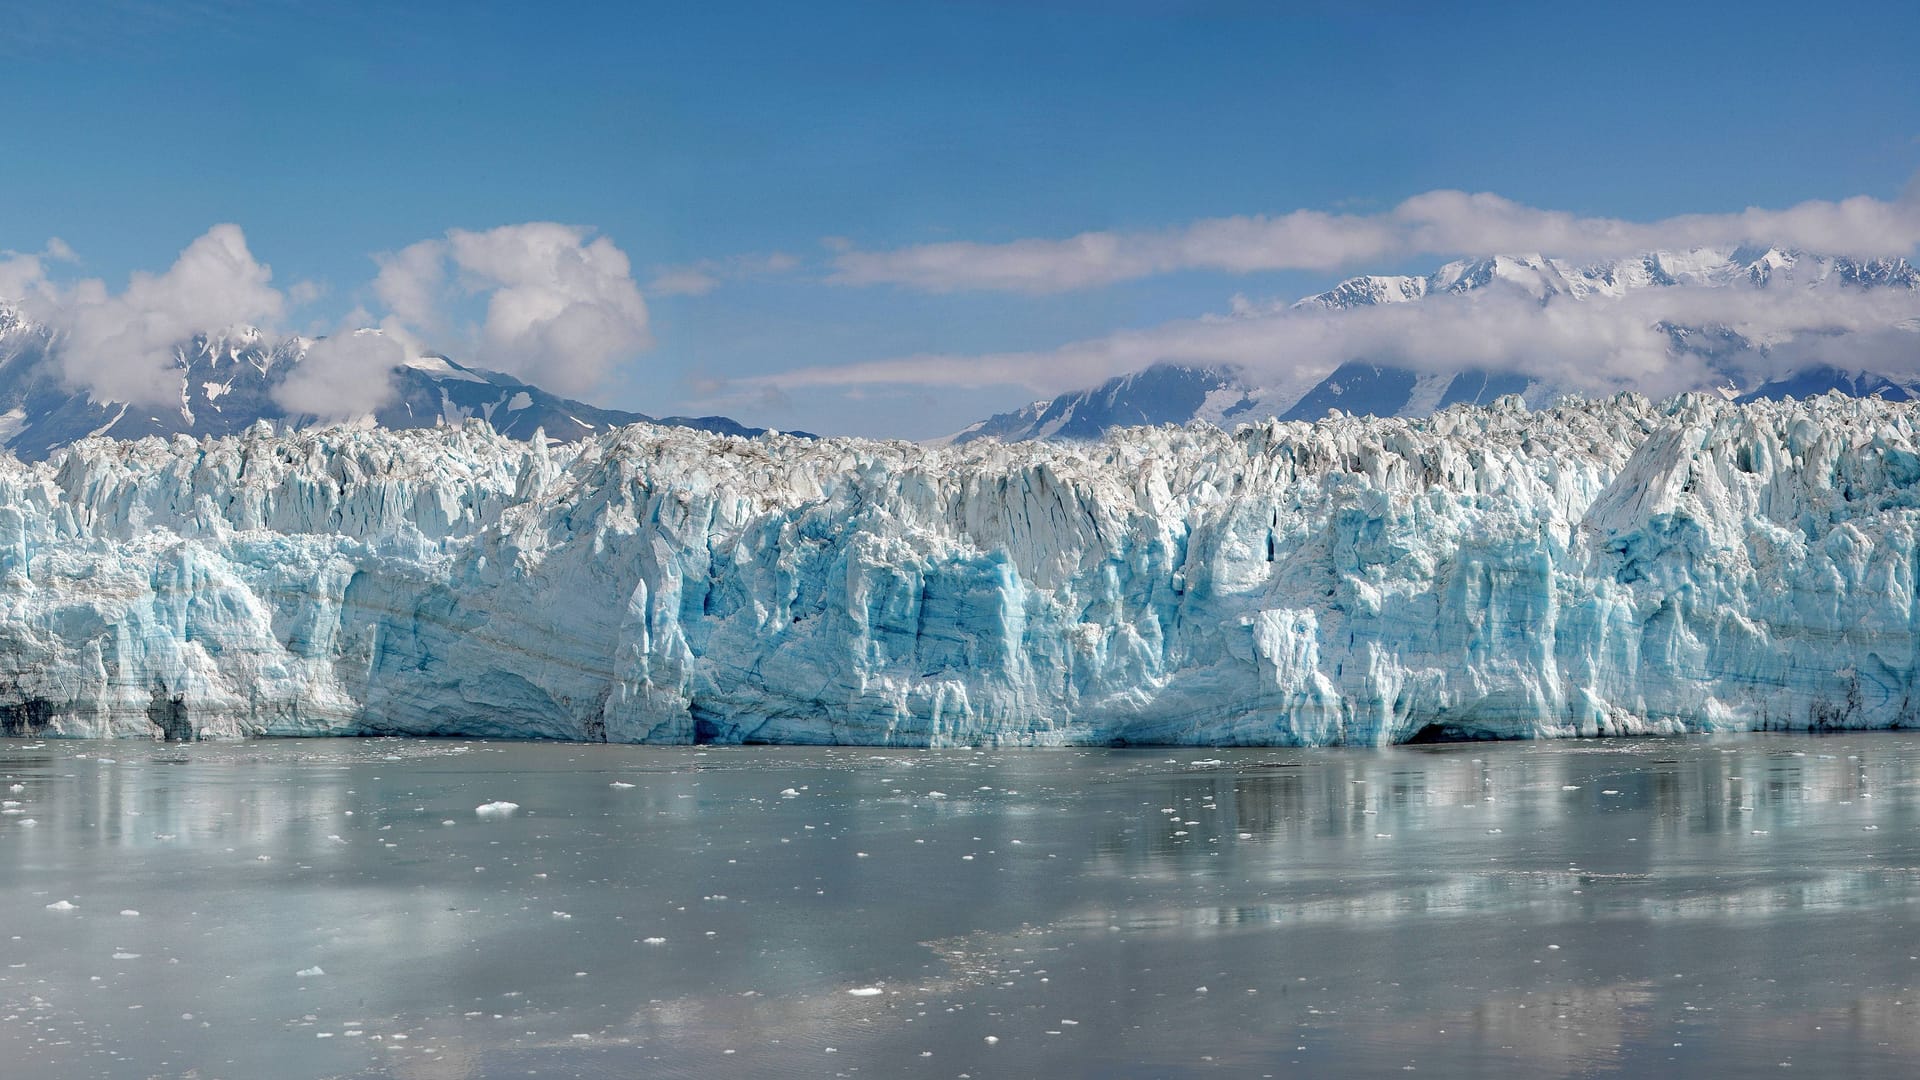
pixel 1608 567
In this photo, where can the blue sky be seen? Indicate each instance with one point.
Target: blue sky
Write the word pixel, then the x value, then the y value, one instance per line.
pixel 704 140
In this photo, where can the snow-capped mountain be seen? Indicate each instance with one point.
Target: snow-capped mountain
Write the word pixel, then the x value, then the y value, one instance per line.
pixel 1606 567
pixel 1162 394
pixel 1177 393
pixel 226 380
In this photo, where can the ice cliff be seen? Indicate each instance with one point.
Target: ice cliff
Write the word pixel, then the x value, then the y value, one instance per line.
pixel 1601 568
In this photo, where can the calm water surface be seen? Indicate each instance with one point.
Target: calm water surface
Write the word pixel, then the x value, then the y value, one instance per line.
pixel 340 909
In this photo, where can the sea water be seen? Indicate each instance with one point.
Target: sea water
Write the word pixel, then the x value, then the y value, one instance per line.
pixel 444 910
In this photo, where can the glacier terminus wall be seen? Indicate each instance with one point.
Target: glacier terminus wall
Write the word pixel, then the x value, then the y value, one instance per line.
pixel 1598 568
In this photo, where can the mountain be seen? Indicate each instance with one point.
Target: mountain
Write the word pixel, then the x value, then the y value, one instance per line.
pixel 1606 567
pixel 1173 393
pixel 1161 394
pixel 226 383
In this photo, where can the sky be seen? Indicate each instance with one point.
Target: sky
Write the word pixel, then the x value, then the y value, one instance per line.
pixel 895 219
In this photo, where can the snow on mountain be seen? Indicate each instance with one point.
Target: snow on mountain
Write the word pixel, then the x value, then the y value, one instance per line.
pixel 226 380
pixel 1162 394
pixel 1595 568
pixel 1165 393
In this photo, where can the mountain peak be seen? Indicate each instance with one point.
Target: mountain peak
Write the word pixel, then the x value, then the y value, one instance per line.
pixel 1178 393
pixel 227 383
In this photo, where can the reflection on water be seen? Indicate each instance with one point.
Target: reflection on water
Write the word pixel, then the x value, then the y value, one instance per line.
pixel 341 909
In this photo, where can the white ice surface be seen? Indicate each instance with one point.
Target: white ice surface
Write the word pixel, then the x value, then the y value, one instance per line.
pixel 1605 568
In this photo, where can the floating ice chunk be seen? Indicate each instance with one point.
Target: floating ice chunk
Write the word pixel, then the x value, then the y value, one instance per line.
pixel 313 972
pixel 61 905
pixel 621 784
pixel 496 809
pixel 866 991
pixel 130 913
pixel 655 941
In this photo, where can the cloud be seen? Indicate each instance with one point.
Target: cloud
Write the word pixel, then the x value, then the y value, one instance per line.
pixel 24 274
pixel 120 346
pixel 20 275
pixel 412 283
pixel 343 376
pixel 1441 223
pixel 561 308
pixel 558 306
pixel 302 293
pixel 683 281
pixel 701 278
pixel 1599 345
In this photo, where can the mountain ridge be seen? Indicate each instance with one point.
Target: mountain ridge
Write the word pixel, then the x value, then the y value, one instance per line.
pixel 1166 392
pixel 226 383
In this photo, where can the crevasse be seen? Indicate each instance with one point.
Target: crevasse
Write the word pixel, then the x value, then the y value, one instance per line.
pixel 1599 568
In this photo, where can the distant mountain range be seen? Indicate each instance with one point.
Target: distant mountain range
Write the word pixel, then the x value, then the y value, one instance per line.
pixel 225 387
pixel 1171 393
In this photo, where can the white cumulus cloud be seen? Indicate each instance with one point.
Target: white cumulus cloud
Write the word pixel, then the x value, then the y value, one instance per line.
pixel 343 376
pixel 120 346
pixel 561 305
pixel 23 275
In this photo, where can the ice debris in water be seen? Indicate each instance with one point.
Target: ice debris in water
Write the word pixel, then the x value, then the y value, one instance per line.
pixel 496 809
pixel 313 972
pixel 866 991
pixel 1354 580
pixel 61 905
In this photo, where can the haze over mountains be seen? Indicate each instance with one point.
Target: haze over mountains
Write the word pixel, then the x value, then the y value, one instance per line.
pixel 1743 366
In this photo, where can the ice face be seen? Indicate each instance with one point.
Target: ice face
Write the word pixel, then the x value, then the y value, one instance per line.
pixel 1601 568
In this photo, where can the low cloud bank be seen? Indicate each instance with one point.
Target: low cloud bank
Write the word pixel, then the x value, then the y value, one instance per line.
pixel 1439 223
pixel 1598 344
